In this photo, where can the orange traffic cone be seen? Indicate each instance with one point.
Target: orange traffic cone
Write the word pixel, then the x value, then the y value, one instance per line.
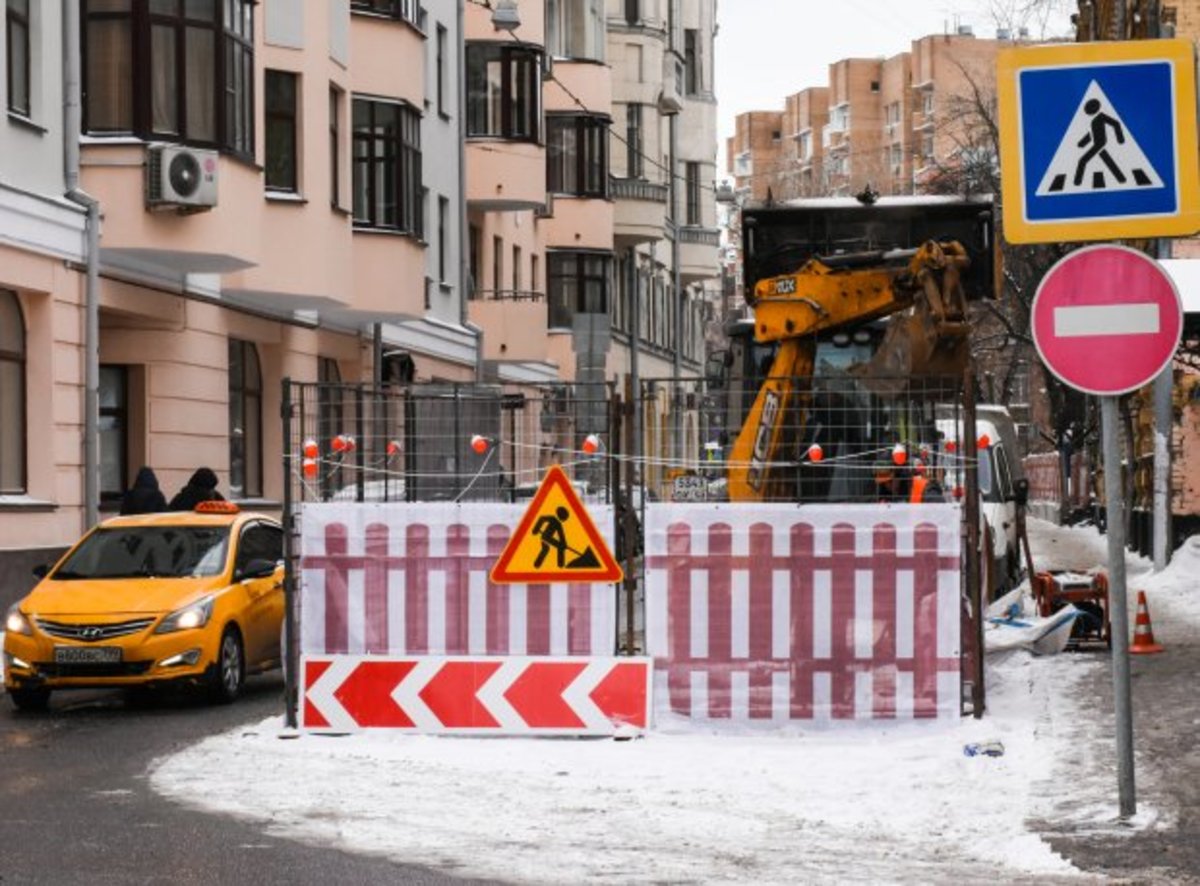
pixel 1143 637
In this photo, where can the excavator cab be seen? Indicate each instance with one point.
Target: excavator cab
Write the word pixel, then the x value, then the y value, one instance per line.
pixel 860 326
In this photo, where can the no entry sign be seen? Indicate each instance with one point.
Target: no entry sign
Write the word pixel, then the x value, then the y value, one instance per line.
pixel 1106 319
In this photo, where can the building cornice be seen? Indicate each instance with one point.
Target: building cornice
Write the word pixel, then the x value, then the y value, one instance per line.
pixel 35 222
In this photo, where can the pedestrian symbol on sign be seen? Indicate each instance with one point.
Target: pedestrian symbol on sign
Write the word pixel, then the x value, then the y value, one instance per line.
pixel 1097 153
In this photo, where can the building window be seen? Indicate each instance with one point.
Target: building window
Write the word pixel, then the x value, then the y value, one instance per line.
pixel 387 167
pixel 442 72
pixel 335 147
pixel 693 215
pixel 279 166
pixel 329 423
pixel 12 394
pixel 18 57
pixel 245 420
pixel 114 430
pixel 633 12
pixel 404 10
pixel 691 61
pixel 497 266
pixel 160 69
pixel 575 29
pixel 577 155
pixel 475 245
pixel 533 273
pixel 443 237
pixel 504 91
pixel 516 270
pixel 578 284
pixel 634 168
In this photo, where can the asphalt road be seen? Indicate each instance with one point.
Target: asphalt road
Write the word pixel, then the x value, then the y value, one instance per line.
pixel 76 807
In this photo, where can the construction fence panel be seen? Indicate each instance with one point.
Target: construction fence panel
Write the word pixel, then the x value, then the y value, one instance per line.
pixel 413 579
pixel 774 613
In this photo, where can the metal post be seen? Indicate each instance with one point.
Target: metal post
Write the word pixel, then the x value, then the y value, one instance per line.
pixel 1115 521
pixel 635 381
pixel 975 591
pixel 291 649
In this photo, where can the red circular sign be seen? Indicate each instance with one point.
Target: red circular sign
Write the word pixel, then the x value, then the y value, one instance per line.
pixel 1106 319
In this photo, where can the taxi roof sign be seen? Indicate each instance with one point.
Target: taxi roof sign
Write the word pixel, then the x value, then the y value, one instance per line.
pixel 1098 140
pixel 556 540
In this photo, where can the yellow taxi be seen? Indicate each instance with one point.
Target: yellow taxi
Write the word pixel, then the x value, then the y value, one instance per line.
pixel 140 601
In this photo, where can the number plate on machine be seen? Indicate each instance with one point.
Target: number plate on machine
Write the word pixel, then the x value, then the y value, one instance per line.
pixel 86 654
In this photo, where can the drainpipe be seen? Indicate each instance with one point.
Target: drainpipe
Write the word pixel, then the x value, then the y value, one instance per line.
pixel 464 235
pixel 677 285
pixel 72 127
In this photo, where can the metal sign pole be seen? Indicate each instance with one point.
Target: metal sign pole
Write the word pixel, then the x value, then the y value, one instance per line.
pixel 1114 507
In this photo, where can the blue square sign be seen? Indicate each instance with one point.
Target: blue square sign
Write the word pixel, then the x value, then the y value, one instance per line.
pixel 1094 144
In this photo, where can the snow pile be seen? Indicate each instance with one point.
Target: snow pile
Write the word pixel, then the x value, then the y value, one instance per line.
pixel 864 802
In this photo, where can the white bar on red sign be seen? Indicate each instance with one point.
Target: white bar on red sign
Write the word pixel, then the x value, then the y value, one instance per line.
pixel 476 695
pixel 782 613
pixel 412 579
pixel 1130 319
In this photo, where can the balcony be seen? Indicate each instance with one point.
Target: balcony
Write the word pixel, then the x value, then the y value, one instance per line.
pixel 698 253
pixel 515 321
pixel 505 175
pixel 640 213
pixel 580 223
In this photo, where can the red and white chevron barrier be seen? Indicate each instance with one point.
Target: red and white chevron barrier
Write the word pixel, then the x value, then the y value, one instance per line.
pixel 479 695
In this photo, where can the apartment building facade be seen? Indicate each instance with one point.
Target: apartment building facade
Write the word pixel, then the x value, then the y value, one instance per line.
pixel 896 125
pixel 343 191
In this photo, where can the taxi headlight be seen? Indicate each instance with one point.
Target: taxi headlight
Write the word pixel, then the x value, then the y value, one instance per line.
pixel 16 622
pixel 194 615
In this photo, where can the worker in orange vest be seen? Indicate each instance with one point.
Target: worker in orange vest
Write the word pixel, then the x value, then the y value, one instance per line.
pixel 924 488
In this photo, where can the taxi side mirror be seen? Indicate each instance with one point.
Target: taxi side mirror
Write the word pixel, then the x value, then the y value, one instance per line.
pixel 257 568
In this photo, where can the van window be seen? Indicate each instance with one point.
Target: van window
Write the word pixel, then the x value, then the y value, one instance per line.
pixel 1003 477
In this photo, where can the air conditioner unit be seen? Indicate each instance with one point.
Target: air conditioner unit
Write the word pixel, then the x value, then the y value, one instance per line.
pixel 670 100
pixel 181 178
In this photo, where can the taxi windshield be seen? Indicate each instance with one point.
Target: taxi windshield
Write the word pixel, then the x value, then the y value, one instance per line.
pixel 148 552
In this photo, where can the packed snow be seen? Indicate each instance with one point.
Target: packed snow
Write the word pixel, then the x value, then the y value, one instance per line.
pixel 864 802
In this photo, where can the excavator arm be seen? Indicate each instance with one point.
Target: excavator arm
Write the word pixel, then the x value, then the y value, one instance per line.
pixel 921 290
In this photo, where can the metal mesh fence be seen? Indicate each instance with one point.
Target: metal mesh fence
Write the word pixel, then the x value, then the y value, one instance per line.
pixel 444 442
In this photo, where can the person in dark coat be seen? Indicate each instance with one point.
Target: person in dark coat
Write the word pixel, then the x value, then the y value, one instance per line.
pixel 144 497
pixel 201 487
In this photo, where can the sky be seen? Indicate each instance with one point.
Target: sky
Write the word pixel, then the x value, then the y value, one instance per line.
pixel 806 805
pixel 757 67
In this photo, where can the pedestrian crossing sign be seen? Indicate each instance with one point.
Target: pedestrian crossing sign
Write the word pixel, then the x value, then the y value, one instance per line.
pixel 1098 141
pixel 555 541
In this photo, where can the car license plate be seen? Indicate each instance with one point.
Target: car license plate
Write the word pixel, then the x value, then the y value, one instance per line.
pixel 87 654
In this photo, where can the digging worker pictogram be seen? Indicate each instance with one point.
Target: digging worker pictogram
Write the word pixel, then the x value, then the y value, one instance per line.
pixel 549 528
pixel 1098 138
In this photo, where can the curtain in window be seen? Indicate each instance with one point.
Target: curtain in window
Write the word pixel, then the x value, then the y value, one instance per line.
pixel 109 75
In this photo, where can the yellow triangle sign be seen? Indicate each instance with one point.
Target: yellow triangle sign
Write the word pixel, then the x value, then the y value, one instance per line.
pixel 556 540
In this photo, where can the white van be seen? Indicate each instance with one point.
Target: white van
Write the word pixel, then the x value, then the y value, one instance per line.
pixel 1000 472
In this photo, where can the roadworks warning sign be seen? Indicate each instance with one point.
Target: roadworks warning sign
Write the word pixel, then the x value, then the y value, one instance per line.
pixel 556 540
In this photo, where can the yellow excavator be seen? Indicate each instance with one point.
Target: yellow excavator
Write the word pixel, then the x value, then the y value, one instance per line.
pixel 920 288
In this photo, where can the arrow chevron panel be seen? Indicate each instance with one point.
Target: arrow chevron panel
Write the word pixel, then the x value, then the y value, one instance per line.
pixel 476 695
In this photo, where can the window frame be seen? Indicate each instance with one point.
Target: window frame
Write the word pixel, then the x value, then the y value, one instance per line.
pixel 442 80
pixel 232 75
pixel 559 314
pixel 246 390
pixel 693 212
pixel 520 63
pixel 443 238
pixel 13 21
pixel 403 148
pixel 120 413
pixel 290 117
pixel 408 11
pixel 16 413
pixel 335 145
pixel 590 173
pixel 692 79
pixel 635 166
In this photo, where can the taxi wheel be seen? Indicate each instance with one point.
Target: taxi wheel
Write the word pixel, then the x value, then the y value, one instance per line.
pixel 229 671
pixel 30 699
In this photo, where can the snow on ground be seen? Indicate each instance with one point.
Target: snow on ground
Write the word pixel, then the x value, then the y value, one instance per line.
pixel 863 802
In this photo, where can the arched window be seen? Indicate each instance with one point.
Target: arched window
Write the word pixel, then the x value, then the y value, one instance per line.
pixel 12 394
pixel 245 420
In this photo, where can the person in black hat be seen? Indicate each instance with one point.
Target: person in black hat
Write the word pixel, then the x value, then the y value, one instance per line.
pixel 144 496
pixel 201 487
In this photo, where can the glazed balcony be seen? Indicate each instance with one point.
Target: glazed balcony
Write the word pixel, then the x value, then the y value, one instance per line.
pixel 640 212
